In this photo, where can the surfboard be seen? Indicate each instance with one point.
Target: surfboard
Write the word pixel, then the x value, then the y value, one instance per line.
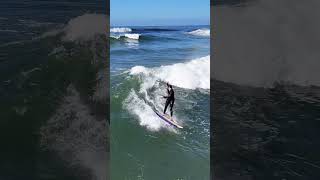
pixel 167 118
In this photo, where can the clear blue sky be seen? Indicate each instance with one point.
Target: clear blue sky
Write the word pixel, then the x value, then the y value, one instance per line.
pixel 159 12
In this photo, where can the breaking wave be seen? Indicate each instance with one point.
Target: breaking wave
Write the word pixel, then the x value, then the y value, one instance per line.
pixel 200 32
pixel 127 36
pixel 120 30
pixel 191 75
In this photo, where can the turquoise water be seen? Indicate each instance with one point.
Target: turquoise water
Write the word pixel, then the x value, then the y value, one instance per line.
pixel 142 59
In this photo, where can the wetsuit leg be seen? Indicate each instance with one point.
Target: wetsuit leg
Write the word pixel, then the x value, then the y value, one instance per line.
pixel 166 105
pixel 171 106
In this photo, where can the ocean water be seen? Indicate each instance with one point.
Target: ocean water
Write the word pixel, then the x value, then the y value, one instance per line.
pixel 266 90
pixel 142 59
pixel 53 90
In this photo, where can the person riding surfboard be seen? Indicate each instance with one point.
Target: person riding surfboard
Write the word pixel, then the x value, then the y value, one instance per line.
pixel 170 99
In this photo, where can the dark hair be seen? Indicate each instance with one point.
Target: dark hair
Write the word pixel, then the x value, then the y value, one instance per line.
pixel 170 86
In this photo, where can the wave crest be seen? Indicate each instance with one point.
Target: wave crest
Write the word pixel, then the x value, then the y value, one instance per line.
pixel 189 75
pixel 200 32
pixel 120 30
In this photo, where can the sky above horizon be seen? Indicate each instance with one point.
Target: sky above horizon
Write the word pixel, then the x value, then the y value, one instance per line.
pixel 161 12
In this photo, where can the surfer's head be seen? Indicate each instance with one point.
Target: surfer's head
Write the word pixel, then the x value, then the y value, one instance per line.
pixel 170 86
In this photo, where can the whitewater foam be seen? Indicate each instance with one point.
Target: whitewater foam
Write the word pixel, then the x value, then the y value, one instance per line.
pixel 268 42
pixel 145 114
pixel 77 136
pixel 128 36
pixel 189 75
pixel 132 36
pixel 115 36
pixel 200 32
pixel 86 27
pixel 120 30
pixel 82 28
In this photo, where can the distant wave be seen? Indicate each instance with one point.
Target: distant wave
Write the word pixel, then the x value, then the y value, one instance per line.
pixel 120 30
pixel 200 32
pixel 152 30
pixel 140 37
pixel 138 30
pixel 132 36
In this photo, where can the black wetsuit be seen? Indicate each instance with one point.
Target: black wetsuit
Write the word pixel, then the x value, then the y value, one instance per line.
pixel 170 100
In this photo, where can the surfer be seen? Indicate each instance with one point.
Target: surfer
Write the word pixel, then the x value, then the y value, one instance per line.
pixel 170 99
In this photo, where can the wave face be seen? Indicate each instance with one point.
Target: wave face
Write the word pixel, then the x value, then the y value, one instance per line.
pixel 189 75
pixel 267 42
pixel 200 32
pixel 136 92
